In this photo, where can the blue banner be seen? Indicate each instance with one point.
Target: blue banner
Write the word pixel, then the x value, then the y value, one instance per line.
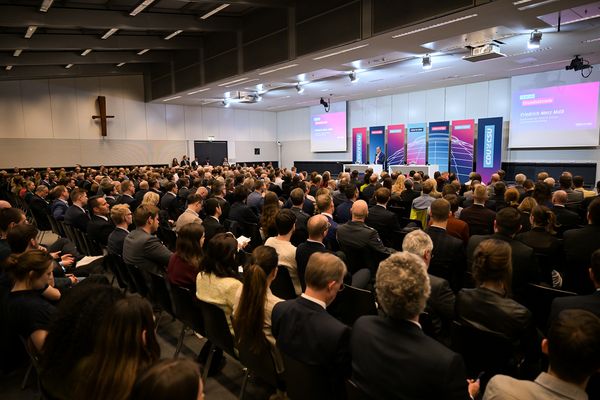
pixel 439 145
pixel 376 139
pixel 489 147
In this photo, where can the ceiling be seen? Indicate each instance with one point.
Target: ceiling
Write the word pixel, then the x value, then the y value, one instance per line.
pixel 263 49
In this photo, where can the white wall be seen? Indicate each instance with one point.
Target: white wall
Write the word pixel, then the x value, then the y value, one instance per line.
pixel 48 122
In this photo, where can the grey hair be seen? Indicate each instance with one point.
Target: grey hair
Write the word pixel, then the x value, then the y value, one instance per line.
pixel 402 285
pixel 520 178
pixel 417 242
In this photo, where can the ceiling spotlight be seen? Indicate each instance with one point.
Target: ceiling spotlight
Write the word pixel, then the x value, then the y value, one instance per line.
pixel 139 53
pixel 427 62
pixel 226 103
pixel 353 77
pixel 172 35
pixel 299 88
pixel 109 33
pixel 17 53
pixel 8 67
pixel 30 31
pixel 120 64
pixel 214 11
pixel 534 40
pixel 46 4
pixel 141 7
pixel 86 52
pixel 68 66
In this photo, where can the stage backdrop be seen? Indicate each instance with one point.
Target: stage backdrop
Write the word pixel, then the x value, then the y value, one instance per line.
pixel 439 144
pixel 376 138
pixel 461 148
pixel 395 145
pixel 359 146
pixel 416 144
pixel 489 146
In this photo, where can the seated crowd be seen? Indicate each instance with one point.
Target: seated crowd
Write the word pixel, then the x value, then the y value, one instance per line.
pixel 476 289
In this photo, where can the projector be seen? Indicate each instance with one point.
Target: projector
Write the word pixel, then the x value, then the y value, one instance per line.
pixel 578 64
pixel 486 52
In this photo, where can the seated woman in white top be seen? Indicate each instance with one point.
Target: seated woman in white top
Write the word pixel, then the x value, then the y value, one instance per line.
pixel 217 282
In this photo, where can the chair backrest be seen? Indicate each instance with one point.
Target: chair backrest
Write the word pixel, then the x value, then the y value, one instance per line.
pixel 538 299
pixel 304 381
pixel 186 308
pixel 260 363
pixel 112 264
pixel 420 215
pixel 282 285
pixel 354 392
pixel 168 237
pixel 359 258
pixel 216 327
pixel 351 304
pixel 159 293
pixel 140 280
pixel 233 227
pixel 55 226
pixel 70 233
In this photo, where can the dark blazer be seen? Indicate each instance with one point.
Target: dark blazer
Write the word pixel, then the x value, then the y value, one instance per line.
pixel 386 224
pixel 566 218
pixel 139 195
pixel 589 303
pixel 440 306
pixel 524 263
pixel 170 204
pixel 116 240
pixel 77 218
pixel 396 360
pixel 303 253
pixel 129 200
pixel 479 218
pixel 356 236
pixel 408 196
pixel 368 192
pixel 58 209
pixel 301 233
pixel 99 229
pixel 448 257
pixel 225 208
pixel 241 213
pixel 306 332
pixel 212 226
pixel 331 238
pixel 342 212
pixel 548 250
pixel 146 252
pixel 40 210
pixel 578 246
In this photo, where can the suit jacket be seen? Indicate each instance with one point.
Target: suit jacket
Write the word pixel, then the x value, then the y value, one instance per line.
pixel 116 240
pixel 440 306
pixel 212 226
pixel 58 209
pixel 386 224
pixel 396 360
pixel 545 387
pixel 479 218
pixel 76 217
pixel 578 246
pixel 127 199
pixel 306 332
pixel 170 204
pixel 146 252
pixel 187 217
pixel 458 228
pixel 566 218
pixel 590 302
pixel 547 247
pixel 301 233
pixel 303 253
pixel 342 212
pixel 379 158
pixel 331 238
pixel 368 192
pixel 241 213
pixel 524 263
pixel 356 236
pixel 448 257
pixel 573 196
pixel 40 210
pixel 98 229
pixel 408 196
pixel 225 208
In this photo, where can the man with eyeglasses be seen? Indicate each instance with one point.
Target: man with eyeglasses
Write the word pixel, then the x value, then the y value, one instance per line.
pixel 122 217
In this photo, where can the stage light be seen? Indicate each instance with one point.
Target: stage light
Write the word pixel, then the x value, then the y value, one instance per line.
pixel 353 77
pixel 534 40
pixel 299 88
pixel 427 62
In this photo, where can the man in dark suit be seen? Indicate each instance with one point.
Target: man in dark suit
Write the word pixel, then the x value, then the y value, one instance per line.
pixel 122 217
pixel 379 156
pixel 565 218
pixel 578 246
pixel 326 208
pixel 342 212
pixel 408 195
pixel 368 192
pixel 99 227
pixel 169 201
pixel 524 263
pixel 306 332
pixel 590 302
pixel 127 193
pixel 391 356
pixel 142 190
pixel 383 221
pixel 301 233
pixel 479 218
pixel 317 230
pixel 239 211
pixel 77 215
pixel 40 208
pixel 211 223
pixel 194 163
pixel 60 206
pixel 448 258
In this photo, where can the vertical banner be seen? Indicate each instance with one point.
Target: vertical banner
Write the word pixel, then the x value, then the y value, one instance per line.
pixel 489 147
pixel 439 144
pixel 461 148
pixel 359 145
pixel 395 145
pixel 416 144
pixel 376 139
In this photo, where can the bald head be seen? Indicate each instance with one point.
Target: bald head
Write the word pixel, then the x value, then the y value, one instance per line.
pixel 359 210
pixel 4 204
pixel 317 227
pixel 559 197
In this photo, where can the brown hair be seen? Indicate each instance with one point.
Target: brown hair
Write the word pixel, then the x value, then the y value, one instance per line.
pixel 188 244
pixel 35 261
pixel 543 217
pixel 168 379
pixel 492 262
pixel 143 212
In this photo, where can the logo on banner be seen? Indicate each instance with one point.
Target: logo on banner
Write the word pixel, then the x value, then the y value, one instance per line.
pixel 488 146
pixel 359 155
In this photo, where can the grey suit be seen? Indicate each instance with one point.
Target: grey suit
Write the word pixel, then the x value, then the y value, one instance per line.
pixel 146 252
pixel 545 387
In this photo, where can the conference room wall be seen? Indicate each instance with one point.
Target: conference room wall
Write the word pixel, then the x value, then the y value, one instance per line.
pixel 48 122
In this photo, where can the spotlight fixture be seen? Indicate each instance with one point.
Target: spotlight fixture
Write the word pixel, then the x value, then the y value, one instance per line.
pixel 141 7
pixel 579 64
pixel 326 104
pixel 226 103
pixel 427 62
pixel 172 35
pixel 17 52
pixel 8 67
pixel 139 53
pixel 30 31
pixel 86 52
pixel 120 64
pixel 68 66
pixel 353 77
pixel 299 88
pixel 109 33
pixel 534 40
pixel 46 4
pixel 257 97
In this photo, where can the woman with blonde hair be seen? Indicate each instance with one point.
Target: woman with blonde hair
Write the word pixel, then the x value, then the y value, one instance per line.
pixel 434 192
pixel 525 209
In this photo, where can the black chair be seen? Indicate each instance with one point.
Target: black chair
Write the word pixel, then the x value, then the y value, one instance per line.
pixel 187 311
pixel 217 332
pixel 282 285
pixel 351 304
pixel 168 237
pixel 259 363
pixel 56 228
pixel 354 392
pixel 359 258
pixel 304 381
pixel 538 299
pixel 159 295
pixel 139 279
pixel 112 263
pixel 34 364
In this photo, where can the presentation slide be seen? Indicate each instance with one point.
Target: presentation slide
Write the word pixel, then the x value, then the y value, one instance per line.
pixel 556 116
pixel 328 129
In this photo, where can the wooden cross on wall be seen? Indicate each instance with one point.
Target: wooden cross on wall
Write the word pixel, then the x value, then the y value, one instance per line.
pixel 101 100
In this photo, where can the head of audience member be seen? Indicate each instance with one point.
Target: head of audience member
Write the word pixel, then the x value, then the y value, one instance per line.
pixel 559 198
pixel 190 241
pixel 125 344
pixel 249 315
pixel 42 191
pixel 528 185
pixel 527 205
pixel 212 207
pixel 578 181
pixel 520 179
pixel 146 217
pixel 9 218
pixel 373 179
pixel 220 257
pixel 382 196
pixel 454 204
pixel 499 189
pixel 22 237
pixel 565 181
pixel 359 210
pixel 240 193
pixel 492 264
pixel 194 202
pixel 542 217
pixel 151 198
pixel 144 185
pixel 169 379
pixel 324 276
pixel 542 192
pixel 511 197
pixel 202 192
pixel 402 286
pixel 419 243
pixel 99 206
pixel 79 197
pixel 259 186
pixel 121 215
pixel 297 197
pixel 4 204
pixel 550 182
pixel 60 192
pixel 285 222
pixel 351 192
pixel 541 176
pixel 325 204
pixel 428 186
pixel 480 195
pixel 127 187
pixel 30 270
pixel 494 178
pixel 593 214
pixel 573 346
pixel 317 227
pixel 439 212
pixel 408 184
pixel 508 221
